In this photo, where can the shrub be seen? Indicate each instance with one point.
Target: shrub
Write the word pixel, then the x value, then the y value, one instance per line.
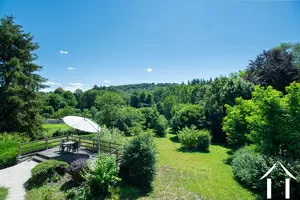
pixel 83 192
pixel 161 126
pixel 102 174
pixel 8 154
pixel 76 169
pixel 138 161
pixel 46 115
pixel 191 138
pixel 14 137
pixel 61 132
pixel 248 167
pixel 109 135
pixel 48 171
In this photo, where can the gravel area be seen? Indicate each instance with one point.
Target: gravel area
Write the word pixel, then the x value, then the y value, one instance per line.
pixel 15 177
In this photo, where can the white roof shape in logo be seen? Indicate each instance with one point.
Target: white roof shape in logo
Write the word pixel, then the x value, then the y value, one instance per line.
pixel 271 169
pixel 82 123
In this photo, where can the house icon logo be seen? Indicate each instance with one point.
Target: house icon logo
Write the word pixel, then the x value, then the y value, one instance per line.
pixel 269 181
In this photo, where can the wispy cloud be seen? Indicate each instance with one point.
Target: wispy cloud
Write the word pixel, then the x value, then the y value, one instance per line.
pixel 63 52
pixel 52 83
pixel 106 81
pixel 149 70
pixel 71 68
pixel 76 84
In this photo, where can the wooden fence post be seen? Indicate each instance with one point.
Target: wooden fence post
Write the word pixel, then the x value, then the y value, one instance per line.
pixel 67 137
pixel 109 147
pixel 46 143
pixel 19 150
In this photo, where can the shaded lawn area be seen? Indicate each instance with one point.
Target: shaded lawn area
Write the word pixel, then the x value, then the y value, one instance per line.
pixel 192 175
pixel 3 193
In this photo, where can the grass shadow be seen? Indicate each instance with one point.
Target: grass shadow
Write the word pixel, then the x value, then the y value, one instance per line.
pixel 174 139
pixel 185 150
pixel 132 192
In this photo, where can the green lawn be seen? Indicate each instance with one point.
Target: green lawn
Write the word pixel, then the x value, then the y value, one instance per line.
pixel 180 175
pixel 3 193
pixel 191 175
pixel 49 129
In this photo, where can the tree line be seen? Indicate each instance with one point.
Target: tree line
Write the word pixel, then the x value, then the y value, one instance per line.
pixel 131 108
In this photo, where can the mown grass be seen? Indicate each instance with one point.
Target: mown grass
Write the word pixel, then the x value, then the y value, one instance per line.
pixel 180 175
pixel 3 193
pixel 49 129
pixel 192 175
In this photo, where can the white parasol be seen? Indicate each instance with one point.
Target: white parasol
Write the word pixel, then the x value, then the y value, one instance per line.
pixel 83 124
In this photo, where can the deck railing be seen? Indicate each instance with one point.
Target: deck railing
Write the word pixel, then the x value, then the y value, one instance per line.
pixel 88 143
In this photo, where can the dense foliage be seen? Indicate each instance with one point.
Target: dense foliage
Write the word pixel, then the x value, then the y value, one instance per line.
pixel 249 167
pixel 48 170
pixel 9 148
pixel 269 120
pixel 191 138
pixel 8 154
pixel 20 104
pixel 102 175
pixel 138 161
pixel 189 115
pixel 273 68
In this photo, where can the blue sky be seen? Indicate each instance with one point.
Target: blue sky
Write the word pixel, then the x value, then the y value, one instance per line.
pixel 114 42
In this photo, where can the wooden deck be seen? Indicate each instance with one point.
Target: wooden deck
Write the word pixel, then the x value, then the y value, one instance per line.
pixel 48 148
pixel 68 157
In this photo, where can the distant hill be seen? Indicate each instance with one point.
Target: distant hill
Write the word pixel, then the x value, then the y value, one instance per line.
pixel 133 87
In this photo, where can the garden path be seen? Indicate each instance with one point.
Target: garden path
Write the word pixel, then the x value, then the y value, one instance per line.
pixel 15 177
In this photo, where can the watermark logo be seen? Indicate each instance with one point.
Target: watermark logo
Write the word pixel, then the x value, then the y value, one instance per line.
pixel 269 181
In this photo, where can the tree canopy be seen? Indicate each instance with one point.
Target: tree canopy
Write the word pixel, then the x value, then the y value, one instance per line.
pixel 20 103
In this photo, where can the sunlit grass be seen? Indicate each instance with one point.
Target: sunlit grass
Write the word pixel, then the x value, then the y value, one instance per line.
pixel 49 129
pixel 192 175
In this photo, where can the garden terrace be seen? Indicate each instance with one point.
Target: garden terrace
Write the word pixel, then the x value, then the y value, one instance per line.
pixel 48 148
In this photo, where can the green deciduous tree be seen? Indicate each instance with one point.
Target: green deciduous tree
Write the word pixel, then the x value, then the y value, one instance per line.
pixel 69 98
pixel 269 120
pixel 107 98
pixel 56 101
pixel 20 104
pixel 188 116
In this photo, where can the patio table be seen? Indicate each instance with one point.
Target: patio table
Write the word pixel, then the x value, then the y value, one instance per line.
pixel 68 144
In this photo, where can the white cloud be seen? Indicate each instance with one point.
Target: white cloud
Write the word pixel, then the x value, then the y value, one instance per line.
pixel 149 70
pixel 63 52
pixel 106 81
pixel 72 89
pixel 47 90
pixel 76 84
pixel 71 68
pixel 52 83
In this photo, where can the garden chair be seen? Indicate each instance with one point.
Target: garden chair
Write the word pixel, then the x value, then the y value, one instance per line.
pixel 61 146
pixel 75 147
